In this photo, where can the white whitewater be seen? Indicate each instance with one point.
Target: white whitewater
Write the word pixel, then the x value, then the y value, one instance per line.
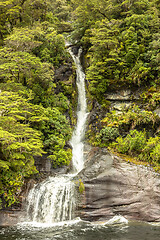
pixel 54 199
pixel 79 132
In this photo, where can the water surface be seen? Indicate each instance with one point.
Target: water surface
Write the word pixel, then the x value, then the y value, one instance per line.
pixel 81 230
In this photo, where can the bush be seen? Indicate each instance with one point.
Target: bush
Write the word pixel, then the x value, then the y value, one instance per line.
pixel 132 144
pixel 108 134
pixel 61 157
pixel 155 154
pixel 121 145
pixel 132 117
pixel 151 151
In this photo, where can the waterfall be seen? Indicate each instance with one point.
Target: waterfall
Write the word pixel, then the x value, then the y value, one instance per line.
pixel 53 200
pixel 79 132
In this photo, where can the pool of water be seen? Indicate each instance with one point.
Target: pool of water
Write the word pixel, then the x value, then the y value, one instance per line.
pixel 81 230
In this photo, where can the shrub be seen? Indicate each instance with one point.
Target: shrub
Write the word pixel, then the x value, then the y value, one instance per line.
pixel 81 186
pixel 61 157
pixel 132 117
pixel 155 154
pixel 108 134
pixel 151 151
pixel 133 143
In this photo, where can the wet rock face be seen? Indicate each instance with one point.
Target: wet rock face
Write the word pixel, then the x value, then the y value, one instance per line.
pixel 114 187
pixel 8 218
pixel 63 72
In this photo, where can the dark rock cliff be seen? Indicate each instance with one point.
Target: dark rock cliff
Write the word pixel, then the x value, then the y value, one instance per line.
pixel 114 187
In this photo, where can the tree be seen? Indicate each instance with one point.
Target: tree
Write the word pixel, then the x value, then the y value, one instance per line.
pixel 120 46
pixel 10 15
pixel 25 68
pixel 24 39
pixel 19 143
pixel 28 130
pixel 105 62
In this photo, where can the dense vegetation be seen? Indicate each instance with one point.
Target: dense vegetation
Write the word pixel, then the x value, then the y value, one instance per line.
pixel 122 51
pixel 34 105
pixel 120 39
pixel 122 43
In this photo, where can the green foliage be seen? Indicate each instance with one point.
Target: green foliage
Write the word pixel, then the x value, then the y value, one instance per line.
pixel 133 131
pixel 0 203
pixel 17 88
pixel 57 124
pixel 10 186
pixel 151 98
pixel 25 68
pixel 81 186
pixel 24 39
pixel 23 126
pixel 32 103
pixel 121 41
pixel 60 157
pixel 22 67
pixel 107 134
pixel 136 144
pixel 9 16
pixel 30 56
pixel 52 49
pixel 19 142
pixel 131 118
pixel 151 150
pixel 132 144
pixel 56 133
pixel 52 11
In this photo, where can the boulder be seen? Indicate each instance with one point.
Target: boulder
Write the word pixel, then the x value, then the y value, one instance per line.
pixel 116 187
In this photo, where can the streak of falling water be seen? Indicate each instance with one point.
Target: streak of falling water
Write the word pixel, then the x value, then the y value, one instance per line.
pixel 54 199
pixel 79 132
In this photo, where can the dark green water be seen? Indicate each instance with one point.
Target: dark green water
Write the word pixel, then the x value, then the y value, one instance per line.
pixel 81 230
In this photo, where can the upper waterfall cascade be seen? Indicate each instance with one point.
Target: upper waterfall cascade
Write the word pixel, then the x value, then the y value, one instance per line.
pixel 54 200
pixel 79 132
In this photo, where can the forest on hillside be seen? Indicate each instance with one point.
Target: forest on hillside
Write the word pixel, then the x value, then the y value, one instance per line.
pixel 121 48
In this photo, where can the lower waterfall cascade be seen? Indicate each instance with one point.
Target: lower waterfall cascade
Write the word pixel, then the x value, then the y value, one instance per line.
pixel 53 200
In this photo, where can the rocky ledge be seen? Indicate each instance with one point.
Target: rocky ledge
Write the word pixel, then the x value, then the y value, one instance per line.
pixel 12 217
pixel 112 187
pixel 115 187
